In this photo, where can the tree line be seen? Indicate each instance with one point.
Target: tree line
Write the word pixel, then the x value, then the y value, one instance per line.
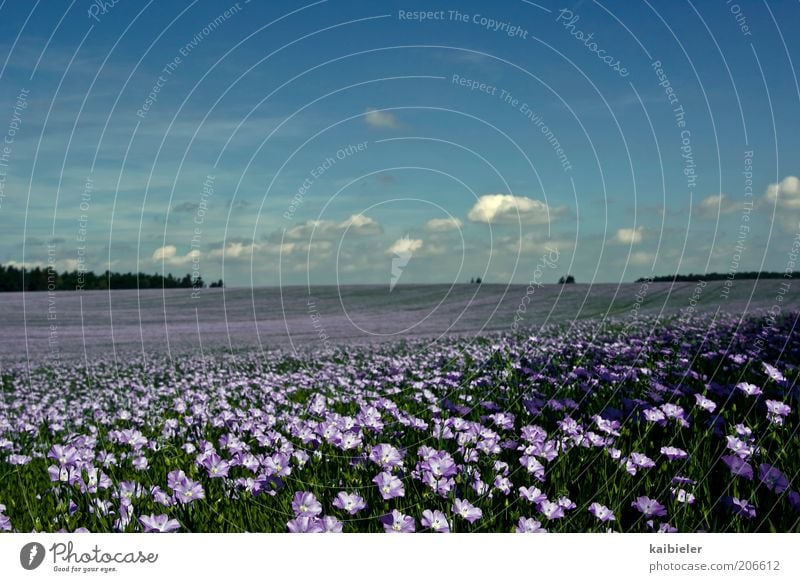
pixel 694 278
pixel 47 279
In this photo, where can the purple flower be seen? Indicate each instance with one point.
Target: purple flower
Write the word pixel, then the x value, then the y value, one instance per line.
pixel 305 525
pixel 654 415
pixel 649 507
pixel 503 420
pixel 215 465
pixel 674 453
pixel 396 522
pixel 352 503
pixel 777 407
pixel 683 480
pixel 642 461
pixel 175 478
pixel 738 466
pixel 532 494
pixel 71 475
pixel 160 496
pixel 5 523
pixel 777 411
pixel 566 503
pixel 440 464
pixel 159 523
pixel 18 459
pixel 637 461
pixel 773 478
pixel 705 403
pixel 794 500
pixel 435 521
pixel 466 510
pixel 773 373
pixel 349 440
pixel 331 525
pixel 65 456
pixel 277 465
pixel 140 463
pixel 533 466
pixel 129 490
pixel 386 456
pixel 502 484
pixel 529 525
pixel 188 491
pixel 533 434
pixel 610 427
pixel 672 410
pixel 682 496
pixel 389 485
pixel 132 437
pixel 440 486
pixel 749 389
pixel 598 441
pixel 742 507
pixel 601 512
pixel 305 504
pixel 740 447
pixel 551 510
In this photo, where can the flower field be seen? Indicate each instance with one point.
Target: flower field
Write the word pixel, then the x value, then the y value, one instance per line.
pixel 656 426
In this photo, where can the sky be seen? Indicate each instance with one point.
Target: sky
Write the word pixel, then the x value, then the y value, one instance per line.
pixel 350 142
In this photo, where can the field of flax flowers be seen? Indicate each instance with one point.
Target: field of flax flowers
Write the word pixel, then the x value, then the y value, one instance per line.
pixel 657 426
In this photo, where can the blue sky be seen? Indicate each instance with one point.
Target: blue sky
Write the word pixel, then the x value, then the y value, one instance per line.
pixel 288 142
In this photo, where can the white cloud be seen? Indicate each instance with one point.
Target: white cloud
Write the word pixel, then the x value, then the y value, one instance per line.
pixel 443 224
pixel 361 223
pixel 509 209
pixel 404 246
pixel 166 252
pixel 785 194
pixel 628 236
pixel 716 204
pixel 356 225
pixel 381 119
pixel 169 256
pixel 235 250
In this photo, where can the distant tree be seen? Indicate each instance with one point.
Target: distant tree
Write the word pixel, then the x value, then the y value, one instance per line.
pixel 472 281
pixel 570 279
pixel 566 280
pixel 43 279
pixel 478 281
pixel 216 284
pixel 693 278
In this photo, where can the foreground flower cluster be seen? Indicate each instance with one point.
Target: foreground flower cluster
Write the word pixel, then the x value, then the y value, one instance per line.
pixel 658 427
